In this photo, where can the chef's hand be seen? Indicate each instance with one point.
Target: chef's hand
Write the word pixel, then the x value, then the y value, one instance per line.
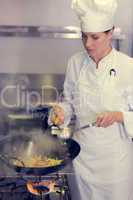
pixel 57 115
pixel 106 119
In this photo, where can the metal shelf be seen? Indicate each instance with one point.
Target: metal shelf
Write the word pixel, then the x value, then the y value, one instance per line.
pixel 66 32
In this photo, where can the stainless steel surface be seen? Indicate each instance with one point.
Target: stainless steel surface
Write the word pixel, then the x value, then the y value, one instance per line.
pixel 25 90
pixel 16 90
pixel 69 32
pixel 32 81
pixel 66 32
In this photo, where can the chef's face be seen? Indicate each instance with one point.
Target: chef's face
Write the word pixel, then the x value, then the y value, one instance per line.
pixel 97 44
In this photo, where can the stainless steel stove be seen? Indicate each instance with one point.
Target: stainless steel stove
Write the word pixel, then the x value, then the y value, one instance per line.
pixel 15 187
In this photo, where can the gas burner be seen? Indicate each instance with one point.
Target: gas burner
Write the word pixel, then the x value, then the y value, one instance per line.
pixel 41 188
pixel 44 186
pixel 53 187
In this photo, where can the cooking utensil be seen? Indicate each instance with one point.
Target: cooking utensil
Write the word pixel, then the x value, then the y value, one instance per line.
pixel 22 147
pixel 85 126
pixel 67 132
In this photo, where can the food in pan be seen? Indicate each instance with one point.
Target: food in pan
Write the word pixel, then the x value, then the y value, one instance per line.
pixel 37 161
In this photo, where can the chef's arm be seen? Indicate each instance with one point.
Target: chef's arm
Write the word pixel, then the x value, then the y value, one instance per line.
pixel 106 119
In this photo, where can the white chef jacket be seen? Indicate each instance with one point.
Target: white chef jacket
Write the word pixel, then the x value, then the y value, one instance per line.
pixel 106 153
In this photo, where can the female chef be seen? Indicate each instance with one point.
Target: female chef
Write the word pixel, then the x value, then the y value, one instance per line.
pixel 99 88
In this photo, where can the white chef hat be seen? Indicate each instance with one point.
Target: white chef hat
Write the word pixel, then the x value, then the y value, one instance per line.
pixel 95 15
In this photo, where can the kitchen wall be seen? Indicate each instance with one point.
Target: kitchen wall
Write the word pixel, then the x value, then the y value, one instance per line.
pixel 40 55
pixel 124 19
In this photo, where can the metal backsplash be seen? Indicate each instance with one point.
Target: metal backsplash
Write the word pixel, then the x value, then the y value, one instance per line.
pixel 21 90
pixel 20 94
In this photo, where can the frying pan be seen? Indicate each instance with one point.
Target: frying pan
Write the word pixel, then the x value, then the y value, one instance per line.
pixel 22 146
